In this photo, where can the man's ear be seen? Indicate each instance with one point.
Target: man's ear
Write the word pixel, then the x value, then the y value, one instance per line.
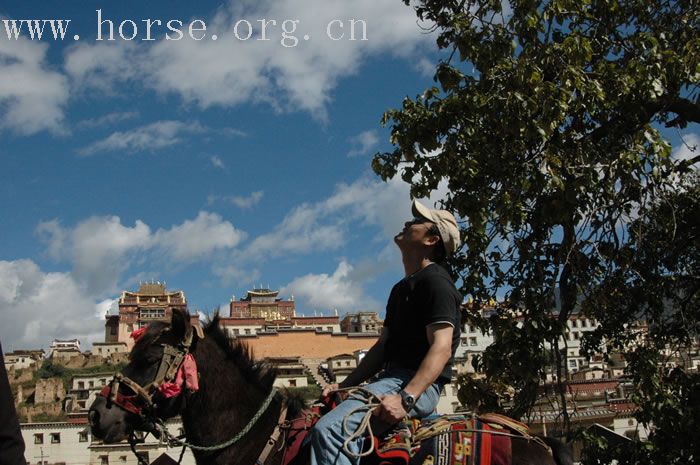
pixel 431 239
pixel 180 322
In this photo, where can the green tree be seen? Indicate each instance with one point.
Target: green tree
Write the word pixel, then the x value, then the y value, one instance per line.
pixel 545 124
pixel 656 279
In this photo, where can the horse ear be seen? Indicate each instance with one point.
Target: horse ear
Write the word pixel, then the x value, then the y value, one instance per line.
pixel 180 322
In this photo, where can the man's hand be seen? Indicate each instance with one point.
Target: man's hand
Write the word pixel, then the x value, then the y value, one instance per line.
pixel 329 389
pixel 390 410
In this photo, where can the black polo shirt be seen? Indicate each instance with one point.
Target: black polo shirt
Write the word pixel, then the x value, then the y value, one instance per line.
pixel 417 301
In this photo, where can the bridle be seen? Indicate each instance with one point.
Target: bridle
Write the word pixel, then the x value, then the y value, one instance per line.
pixel 141 402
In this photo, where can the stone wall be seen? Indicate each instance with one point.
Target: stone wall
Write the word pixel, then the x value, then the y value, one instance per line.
pixel 29 412
pixel 306 344
pixel 49 390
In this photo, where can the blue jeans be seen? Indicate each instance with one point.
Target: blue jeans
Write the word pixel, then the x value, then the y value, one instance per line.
pixel 327 436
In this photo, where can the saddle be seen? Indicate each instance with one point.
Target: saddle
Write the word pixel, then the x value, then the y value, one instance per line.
pixel 436 440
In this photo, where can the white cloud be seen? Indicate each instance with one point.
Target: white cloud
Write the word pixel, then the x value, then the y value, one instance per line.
pixel 235 276
pixel 101 249
pixel 247 202
pixel 287 78
pixel 151 137
pixel 37 307
pixel 328 292
pixel 363 143
pixel 196 239
pixel 32 95
pixel 425 67
pixel 324 225
pixel 217 162
pixel 109 119
pixel 97 67
pixel 243 202
pixel 689 147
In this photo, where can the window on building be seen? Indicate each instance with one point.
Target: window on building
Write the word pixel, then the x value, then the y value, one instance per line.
pixel 82 436
pixel 236 331
pixel 122 458
pixel 577 335
pixel 329 328
pixel 104 459
pixel 152 313
pixel 38 438
pixel 471 329
pixel 55 438
pixel 91 383
pixel 574 324
pixel 81 385
pixel 584 323
pixel 572 364
pixel 247 331
pixel 472 341
pixel 112 330
pixel 347 363
pixel 292 383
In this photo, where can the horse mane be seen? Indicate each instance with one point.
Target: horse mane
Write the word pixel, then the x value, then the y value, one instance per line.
pixel 257 372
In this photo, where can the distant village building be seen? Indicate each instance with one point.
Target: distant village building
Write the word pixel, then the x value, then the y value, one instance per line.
pixel 152 302
pixel 84 389
pixel 341 365
pixel 291 372
pixel 361 322
pixel 19 359
pixel 107 349
pixel 71 442
pixel 64 349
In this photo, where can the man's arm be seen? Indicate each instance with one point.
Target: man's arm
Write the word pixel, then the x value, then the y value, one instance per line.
pixel 371 363
pixel 440 339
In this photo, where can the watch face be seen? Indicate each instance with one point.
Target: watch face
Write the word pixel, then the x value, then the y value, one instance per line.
pixel 407 400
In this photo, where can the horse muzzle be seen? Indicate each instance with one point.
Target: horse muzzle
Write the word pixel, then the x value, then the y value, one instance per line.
pixel 108 422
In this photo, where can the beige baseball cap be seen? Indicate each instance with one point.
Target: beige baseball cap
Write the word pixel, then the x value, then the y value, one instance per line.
pixel 446 224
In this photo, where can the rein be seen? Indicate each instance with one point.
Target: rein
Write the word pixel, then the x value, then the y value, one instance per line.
pixel 230 442
pixel 372 401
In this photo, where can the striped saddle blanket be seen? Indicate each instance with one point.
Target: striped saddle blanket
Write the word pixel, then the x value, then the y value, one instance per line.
pixel 448 440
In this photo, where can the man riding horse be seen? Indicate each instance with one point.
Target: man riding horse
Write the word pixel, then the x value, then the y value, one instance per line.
pixel 414 354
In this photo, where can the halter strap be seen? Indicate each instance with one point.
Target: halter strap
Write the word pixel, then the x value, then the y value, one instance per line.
pixel 167 370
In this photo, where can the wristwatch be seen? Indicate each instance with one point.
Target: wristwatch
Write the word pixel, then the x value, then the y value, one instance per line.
pixel 407 400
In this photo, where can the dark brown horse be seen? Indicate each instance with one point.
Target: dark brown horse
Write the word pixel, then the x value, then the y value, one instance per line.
pixel 232 389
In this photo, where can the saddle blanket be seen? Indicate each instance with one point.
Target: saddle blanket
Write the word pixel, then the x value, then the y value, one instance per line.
pixel 446 440
pixel 443 440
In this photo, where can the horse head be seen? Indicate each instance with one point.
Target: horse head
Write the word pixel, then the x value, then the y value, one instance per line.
pixel 151 387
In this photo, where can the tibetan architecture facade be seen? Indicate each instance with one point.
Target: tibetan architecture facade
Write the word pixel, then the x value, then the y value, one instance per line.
pixel 262 303
pixel 151 302
pixel 361 322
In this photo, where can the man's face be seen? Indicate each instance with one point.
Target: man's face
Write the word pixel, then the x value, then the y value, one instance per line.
pixel 414 233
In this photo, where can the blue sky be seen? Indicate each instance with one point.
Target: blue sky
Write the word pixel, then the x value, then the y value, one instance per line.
pixel 214 165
